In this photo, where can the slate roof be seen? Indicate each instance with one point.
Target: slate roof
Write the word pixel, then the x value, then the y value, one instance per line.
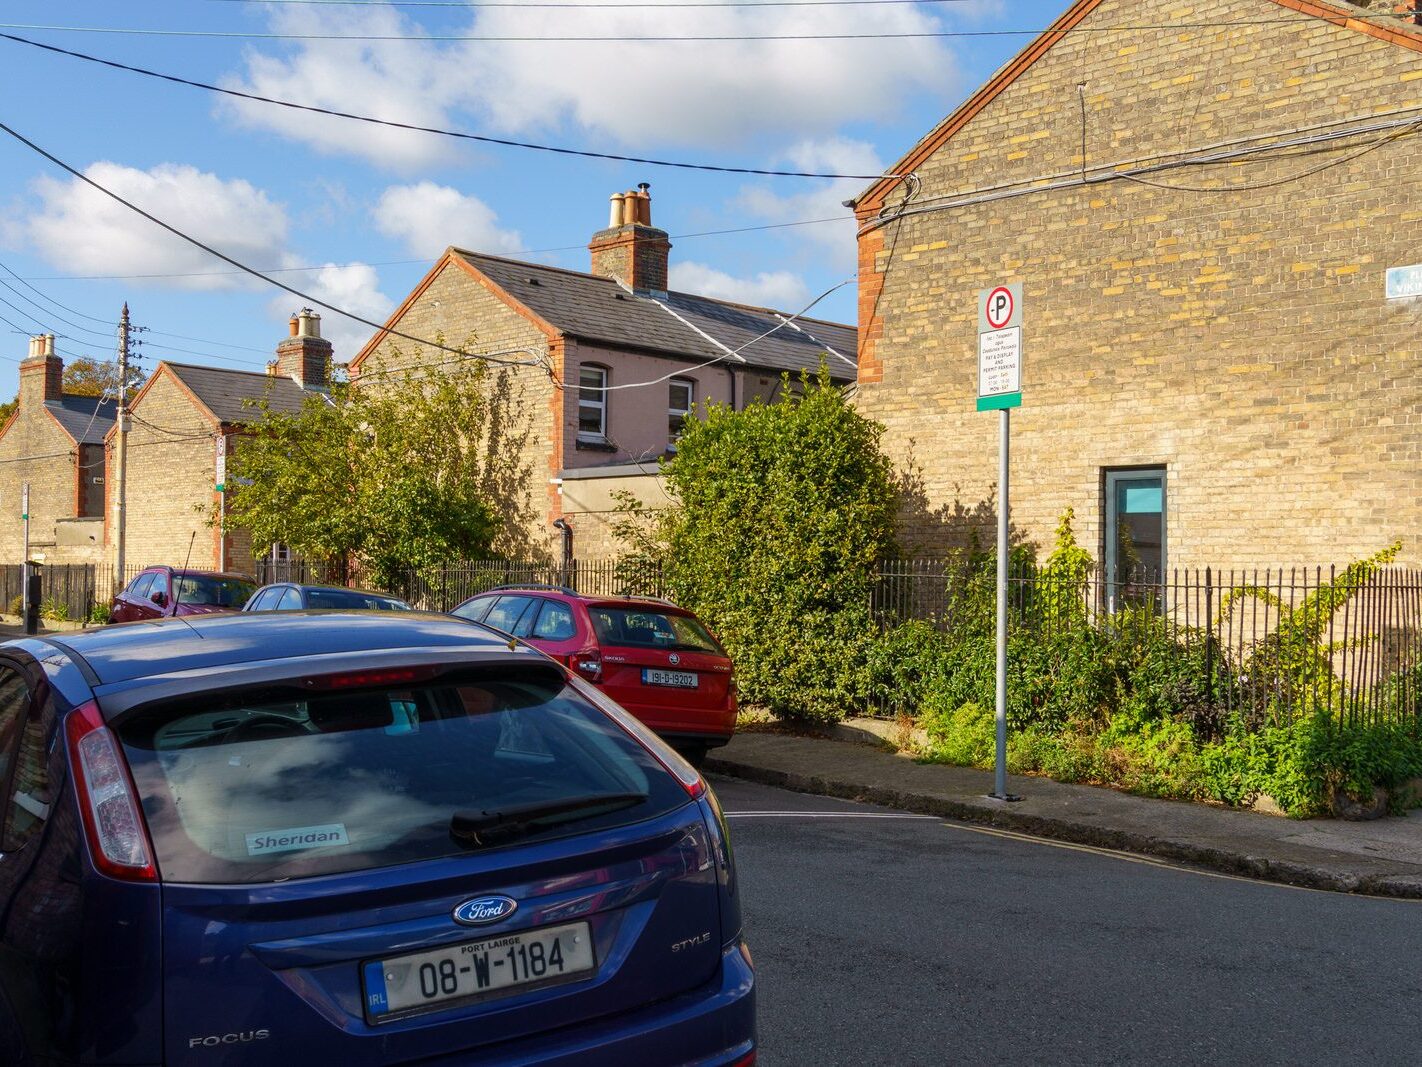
pixel 81 420
pixel 223 390
pixel 594 308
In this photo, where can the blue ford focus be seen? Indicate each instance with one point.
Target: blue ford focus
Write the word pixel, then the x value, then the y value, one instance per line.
pixel 351 838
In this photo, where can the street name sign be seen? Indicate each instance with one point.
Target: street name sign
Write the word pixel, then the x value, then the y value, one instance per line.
pixel 1000 347
pixel 1404 282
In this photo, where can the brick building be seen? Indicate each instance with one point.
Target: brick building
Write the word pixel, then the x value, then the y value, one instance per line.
pixel 179 420
pixel 1216 370
pixel 54 442
pixel 614 364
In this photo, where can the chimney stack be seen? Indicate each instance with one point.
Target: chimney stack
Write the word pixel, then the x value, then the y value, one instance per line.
pixel 304 355
pixel 41 373
pixel 631 250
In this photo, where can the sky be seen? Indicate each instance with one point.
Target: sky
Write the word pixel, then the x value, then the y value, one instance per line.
pixel 355 214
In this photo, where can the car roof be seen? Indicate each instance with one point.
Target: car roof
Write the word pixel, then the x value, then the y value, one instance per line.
pixel 331 588
pixel 129 651
pixel 611 601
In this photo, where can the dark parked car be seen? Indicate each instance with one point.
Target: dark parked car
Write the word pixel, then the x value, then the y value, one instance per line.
pixel 655 659
pixel 288 596
pixel 356 838
pixel 161 592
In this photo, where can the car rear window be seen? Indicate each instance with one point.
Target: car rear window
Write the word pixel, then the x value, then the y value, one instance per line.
pixel 287 784
pixel 648 628
pixel 352 598
pixel 216 592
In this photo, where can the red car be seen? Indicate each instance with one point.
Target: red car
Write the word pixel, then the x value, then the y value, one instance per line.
pixel 162 592
pixel 655 659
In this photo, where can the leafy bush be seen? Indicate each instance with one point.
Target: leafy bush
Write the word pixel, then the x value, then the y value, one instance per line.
pixel 99 614
pixel 781 512
pixel 1132 701
pixel 17 604
pixel 54 610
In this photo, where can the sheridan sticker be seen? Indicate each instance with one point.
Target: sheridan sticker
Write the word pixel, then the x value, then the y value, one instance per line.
pixel 269 841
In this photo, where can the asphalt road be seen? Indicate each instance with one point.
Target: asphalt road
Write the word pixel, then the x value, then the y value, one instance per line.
pixel 911 940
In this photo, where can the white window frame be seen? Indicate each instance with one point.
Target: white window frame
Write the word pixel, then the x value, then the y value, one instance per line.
pixel 600 403
pixel 690 385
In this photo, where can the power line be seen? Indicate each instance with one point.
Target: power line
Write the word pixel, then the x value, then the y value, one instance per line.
pixel 386 331
pixel 438 38
pixel 540 4
pixel 458 134
pixel 408 262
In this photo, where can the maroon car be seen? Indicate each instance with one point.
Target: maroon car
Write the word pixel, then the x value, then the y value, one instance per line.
pixel 162 592
pixel 655 659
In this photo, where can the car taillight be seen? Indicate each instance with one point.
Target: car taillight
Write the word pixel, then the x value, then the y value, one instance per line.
pixel 747 1060
pixel 108 801
pixel 588 664
pixel 362 679
pixel 663 753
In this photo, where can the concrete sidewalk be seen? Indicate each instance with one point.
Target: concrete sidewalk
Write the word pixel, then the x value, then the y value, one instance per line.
pixel 1383 857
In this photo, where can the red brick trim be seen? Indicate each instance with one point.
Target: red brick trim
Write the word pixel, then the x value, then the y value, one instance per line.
pixel 874 197
pixel 450 257
pixel 871 286
pixel 557 405
pixel 542 325
pixel 396 315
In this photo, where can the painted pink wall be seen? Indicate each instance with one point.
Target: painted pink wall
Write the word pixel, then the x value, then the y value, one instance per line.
pixel 636 418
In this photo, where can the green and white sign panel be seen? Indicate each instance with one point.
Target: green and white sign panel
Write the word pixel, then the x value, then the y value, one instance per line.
pixel 1000 347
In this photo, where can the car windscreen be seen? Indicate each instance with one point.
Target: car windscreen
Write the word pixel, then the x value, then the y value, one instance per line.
pixel 287 783
pixel 352 598
pixel 649 628
pixel 216 592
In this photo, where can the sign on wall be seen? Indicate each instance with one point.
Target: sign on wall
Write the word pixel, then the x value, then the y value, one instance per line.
pixel 1404 281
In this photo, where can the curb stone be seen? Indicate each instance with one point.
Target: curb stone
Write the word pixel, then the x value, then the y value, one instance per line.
pixel 987 812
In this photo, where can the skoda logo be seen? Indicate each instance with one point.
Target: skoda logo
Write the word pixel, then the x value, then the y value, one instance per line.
pixel 484 910
pixel 673 659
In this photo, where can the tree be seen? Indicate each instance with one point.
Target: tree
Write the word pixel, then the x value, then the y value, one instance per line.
pixel 90 377
pixel 9 408
pixel 402 472
pixel 781 512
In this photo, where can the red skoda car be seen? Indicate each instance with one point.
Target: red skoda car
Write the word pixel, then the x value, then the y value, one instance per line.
pixel 161 592
pixel 655 659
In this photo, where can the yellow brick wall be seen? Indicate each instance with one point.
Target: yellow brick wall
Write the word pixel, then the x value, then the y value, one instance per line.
pixel 34 449
pixel 463 313
pixel 172 464
pixel 1240 339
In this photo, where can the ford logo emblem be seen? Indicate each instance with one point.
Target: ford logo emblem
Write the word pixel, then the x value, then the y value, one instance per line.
pixel 673 659
pixel 484 910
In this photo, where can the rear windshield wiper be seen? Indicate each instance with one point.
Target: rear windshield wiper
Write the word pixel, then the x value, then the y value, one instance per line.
pixel 480 829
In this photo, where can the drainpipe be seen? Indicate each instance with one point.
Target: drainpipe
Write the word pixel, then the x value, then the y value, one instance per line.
pixel 562 526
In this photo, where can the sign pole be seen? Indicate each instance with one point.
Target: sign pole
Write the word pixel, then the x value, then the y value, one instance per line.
pixel 1003 552
pixel 1000 390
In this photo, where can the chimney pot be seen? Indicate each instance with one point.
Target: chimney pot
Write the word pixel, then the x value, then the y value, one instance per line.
pixel 614 214
pixel 630 250
pixel 293 326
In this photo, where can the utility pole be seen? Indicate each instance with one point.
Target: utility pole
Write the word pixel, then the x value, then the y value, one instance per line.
pixel 121 459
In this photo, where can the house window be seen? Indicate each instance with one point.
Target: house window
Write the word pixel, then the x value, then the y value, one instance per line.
pixel 679 395
pixel 1135 530
pixel 592 403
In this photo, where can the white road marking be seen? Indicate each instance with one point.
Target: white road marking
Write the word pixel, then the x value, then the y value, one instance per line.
pixel 826 815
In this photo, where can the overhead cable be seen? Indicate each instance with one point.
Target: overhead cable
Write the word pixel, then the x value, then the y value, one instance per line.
pixel 414 127
pixel 310 299
pixel 438 38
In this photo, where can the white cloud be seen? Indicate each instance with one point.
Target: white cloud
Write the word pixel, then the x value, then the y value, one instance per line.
pixel 352 286
pixel 427 217
pixel 80 228
pixel 820 199
pixel 710 94
pixel 414 82
pixel 777 289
